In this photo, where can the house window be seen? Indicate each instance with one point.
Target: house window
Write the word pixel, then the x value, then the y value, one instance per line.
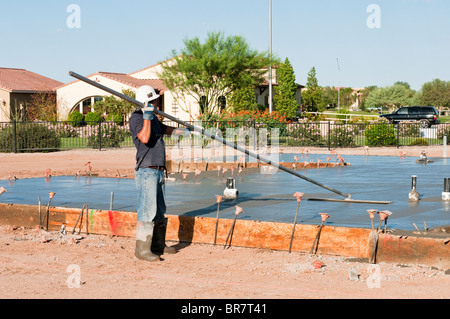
pixel 222 101
pixel 86 106
pixel 97 99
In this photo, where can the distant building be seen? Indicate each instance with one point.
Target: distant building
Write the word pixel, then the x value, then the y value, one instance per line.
pixel 357 93
pixel 17 87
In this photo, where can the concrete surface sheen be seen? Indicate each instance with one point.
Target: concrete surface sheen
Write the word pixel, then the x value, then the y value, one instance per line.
pixel 269 197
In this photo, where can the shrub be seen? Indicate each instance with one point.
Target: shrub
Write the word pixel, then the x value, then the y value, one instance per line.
pixel 380 133
pixel 262 119
pixel 305 132
pixel 76 118
pixel 343 136
pixel 30 137
pixel 64 130
pixel 116 118
pixel 444 130
pixel 111 136
pixel 408 129
pixel 93 118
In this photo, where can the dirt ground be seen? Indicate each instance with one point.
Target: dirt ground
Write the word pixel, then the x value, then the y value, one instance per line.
pixel 49 265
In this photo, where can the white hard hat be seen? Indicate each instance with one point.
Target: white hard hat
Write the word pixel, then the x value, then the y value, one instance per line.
pixel 146 94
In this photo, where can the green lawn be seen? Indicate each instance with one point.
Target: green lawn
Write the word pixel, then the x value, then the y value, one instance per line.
pixel 73 142
pixel 444 119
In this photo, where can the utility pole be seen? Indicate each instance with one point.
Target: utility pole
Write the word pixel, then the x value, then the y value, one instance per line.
pixel 270 53
pixel 339 88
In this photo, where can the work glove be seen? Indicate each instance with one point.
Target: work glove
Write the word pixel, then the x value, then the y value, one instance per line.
pixel 148 112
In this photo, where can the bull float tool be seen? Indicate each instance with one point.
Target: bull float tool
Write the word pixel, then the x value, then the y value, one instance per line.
pixel 205 133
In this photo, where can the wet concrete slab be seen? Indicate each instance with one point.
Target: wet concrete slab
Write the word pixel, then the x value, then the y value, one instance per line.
pixel 269 197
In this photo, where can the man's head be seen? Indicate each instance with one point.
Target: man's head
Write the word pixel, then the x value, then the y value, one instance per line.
pixel 146 94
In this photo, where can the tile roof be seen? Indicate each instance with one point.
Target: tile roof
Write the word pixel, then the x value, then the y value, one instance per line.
pixel 126 79
pixel 20 80
pixel 134 82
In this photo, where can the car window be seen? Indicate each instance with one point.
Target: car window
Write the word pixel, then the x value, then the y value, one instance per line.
pixel 414 110
pixel 402 111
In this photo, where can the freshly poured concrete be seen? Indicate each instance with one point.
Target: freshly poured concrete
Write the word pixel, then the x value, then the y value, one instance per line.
pixel 270 197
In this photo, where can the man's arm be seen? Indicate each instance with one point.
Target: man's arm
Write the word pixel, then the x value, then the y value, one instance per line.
pixel 175 131
pixel 181 131
pixel 146 132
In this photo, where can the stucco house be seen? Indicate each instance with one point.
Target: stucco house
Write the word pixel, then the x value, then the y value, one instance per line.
pixel 17 87
pixel 81 96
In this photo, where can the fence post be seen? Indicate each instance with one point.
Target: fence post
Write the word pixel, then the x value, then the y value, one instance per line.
pixel 329 135
pixel 398 133
pixel 99 136
pixel 445 147
pixel 15 135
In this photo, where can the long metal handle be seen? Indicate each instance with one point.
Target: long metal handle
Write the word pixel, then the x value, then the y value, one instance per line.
pixel 204 132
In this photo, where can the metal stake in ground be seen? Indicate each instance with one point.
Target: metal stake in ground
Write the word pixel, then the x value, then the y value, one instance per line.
pixel 78 220
pixel 373 234
pixel 40 215
pixel 383 217
pixel 205 133
pixel 239 211
pixel 299 199
pixel 315 246
pixel 47 213
pixel 219 199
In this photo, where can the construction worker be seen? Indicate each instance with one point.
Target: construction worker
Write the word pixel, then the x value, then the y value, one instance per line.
pixel 147 132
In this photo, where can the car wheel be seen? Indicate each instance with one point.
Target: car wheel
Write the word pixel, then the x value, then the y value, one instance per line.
pixel 425 124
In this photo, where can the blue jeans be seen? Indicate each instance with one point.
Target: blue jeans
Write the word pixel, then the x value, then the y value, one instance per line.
pixel 151 189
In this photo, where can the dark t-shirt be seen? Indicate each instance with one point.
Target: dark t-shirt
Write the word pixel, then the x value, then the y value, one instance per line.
pixel 154 152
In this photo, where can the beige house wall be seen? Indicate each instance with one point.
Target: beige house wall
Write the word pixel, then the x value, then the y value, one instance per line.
pixel 8 101
pixel 71 95
pixel 187 109
pixel 4 106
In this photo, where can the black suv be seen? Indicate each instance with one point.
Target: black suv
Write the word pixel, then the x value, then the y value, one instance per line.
pixel 426 115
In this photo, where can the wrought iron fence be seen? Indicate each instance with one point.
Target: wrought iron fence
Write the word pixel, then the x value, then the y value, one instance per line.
pixel 53 136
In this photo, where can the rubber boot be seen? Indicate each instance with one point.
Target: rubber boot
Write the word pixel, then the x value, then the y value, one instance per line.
pixel 144 238
pixel 159 239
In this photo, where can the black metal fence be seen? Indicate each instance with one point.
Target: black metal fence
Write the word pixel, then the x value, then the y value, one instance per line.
pixel 53 136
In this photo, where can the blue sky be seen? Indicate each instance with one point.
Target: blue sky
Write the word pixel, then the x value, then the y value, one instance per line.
pixel 411 45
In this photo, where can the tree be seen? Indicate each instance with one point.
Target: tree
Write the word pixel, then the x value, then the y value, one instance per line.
pixel 212 71
pixel 244 99
pixel 391 96
pixel 312 96
pixel 42 107
pixel 113 105
pixel 285 100
pixel 346 98
pixel 435 93
pixel 365 94
pixel 329 97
